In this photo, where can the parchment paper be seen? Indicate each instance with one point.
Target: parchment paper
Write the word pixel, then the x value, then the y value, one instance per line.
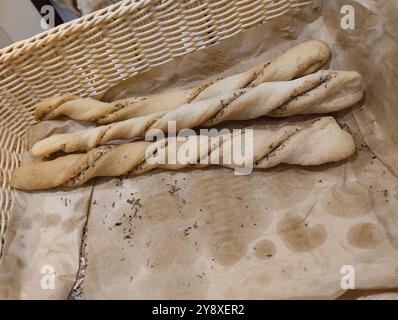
pixel 285 232
pixel 44 235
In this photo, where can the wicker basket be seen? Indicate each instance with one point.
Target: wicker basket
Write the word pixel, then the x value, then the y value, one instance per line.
pixel 88 55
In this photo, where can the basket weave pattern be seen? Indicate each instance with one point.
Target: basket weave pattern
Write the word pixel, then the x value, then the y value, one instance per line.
pixel 88 55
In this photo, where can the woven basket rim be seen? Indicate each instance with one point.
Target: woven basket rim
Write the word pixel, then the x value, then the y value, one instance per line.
pixel 118 9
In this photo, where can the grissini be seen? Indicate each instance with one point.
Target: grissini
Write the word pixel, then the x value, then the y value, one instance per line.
pixel 298 61
pixel 321 92
pixel 311 143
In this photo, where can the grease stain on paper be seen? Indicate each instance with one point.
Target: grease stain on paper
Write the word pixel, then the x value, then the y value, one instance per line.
pixel 364 235
pixel 231 225
pixel 51 220
pixel 298 236
pixel 264 249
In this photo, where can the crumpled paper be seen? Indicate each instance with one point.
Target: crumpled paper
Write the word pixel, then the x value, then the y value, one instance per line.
pixel 44 235
pixel 285 232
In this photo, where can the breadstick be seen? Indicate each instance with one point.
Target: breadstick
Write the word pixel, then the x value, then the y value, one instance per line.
pixel 312 143
pixel 300 60
pixel 322 92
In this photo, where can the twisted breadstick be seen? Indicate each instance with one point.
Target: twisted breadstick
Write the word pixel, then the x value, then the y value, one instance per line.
pixel 321 92
pixel 311 143
pixel 301 60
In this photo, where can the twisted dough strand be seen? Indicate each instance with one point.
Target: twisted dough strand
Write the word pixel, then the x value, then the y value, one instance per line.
pixel 321 92
pixel 300 60
pixel 312 143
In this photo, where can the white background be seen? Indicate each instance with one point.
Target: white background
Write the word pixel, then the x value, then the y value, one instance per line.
pixel 19 20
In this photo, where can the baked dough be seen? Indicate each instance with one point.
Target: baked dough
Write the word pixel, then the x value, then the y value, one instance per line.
pixel 300 60
pixel 310 143
pixel 321 92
